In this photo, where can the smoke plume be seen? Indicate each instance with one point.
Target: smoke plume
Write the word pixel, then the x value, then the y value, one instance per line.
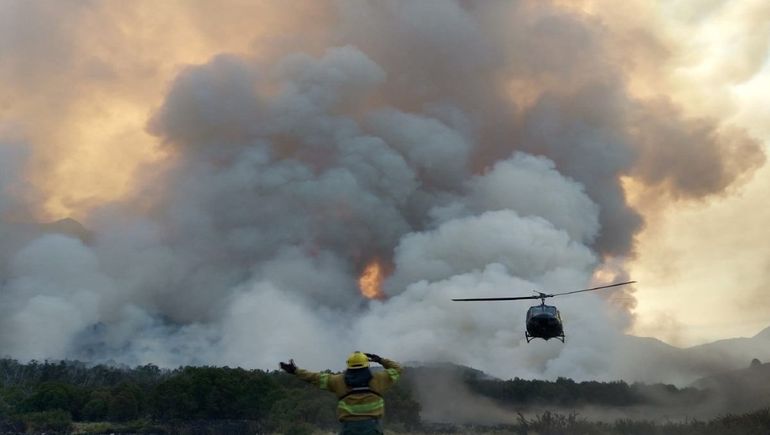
pixel 474 149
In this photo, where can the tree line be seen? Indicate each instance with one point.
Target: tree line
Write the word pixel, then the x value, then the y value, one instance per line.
pixel 52 395
pixel 57 396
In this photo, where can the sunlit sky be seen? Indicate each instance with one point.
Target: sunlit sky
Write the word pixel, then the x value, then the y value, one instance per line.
pixel 703 266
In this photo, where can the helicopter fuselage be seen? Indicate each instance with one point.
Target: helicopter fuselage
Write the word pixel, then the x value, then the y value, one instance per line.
pixel 544 321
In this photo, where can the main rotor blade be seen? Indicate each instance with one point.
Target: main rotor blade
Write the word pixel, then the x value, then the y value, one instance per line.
pixel 544 295
pixel 498 299
pixel 592 289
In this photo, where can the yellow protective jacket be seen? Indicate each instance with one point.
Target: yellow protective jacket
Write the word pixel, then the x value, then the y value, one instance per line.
pixel 354 406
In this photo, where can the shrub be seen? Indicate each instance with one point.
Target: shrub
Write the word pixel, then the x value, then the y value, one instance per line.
pixel 58 421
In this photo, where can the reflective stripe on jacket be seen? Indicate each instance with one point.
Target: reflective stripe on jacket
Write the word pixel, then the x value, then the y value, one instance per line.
pixel 354 405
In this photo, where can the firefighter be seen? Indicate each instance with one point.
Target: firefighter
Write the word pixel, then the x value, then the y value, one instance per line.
pixel 359 391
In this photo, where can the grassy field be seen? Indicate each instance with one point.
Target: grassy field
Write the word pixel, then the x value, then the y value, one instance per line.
pixel 754 423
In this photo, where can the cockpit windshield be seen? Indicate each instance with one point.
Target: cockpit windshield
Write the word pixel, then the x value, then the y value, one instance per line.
pixel 543 309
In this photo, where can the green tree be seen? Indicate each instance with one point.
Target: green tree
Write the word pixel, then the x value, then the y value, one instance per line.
pixel 97 406
pixel 301 407
pixel 172 399
pixel 124 402
pixel 214 393
pixel 50 396
pixel 58 421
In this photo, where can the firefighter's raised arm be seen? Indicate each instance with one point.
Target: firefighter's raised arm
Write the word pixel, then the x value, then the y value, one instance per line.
pixel 387 363
pixel 320 380
pixel 288 367
pixel 392 368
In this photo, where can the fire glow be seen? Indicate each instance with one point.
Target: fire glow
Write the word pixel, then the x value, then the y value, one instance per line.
pixel 370 281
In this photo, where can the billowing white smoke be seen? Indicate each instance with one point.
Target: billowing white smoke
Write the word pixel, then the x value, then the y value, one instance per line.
pixel 290 174
pixel 255 241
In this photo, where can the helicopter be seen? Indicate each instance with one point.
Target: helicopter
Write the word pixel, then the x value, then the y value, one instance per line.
pixel 544 321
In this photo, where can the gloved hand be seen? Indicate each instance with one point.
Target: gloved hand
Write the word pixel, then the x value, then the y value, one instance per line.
pixel 289 367
pixel 374 357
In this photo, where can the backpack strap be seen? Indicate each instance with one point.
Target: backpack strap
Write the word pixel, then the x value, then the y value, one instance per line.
pixel 360 390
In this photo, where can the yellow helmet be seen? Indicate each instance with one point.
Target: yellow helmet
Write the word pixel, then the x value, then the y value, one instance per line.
pixel 358 360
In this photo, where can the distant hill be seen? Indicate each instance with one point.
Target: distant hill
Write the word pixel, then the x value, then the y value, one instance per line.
pixel 732 353
pixel 69 227
pixel 16 235
pixel 764 334
pixel 447 369
pixel 760 343
pixel 651 360
pixel 19 234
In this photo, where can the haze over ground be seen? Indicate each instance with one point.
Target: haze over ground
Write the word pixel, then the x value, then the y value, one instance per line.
pixel 239 166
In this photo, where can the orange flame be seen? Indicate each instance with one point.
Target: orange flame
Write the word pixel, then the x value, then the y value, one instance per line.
pixel 370 281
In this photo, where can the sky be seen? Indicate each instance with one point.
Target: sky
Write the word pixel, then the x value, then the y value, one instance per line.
pixel 704 263
pixel 239 166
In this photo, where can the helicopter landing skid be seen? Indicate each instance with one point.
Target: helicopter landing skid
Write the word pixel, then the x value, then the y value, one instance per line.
pixel 532 337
